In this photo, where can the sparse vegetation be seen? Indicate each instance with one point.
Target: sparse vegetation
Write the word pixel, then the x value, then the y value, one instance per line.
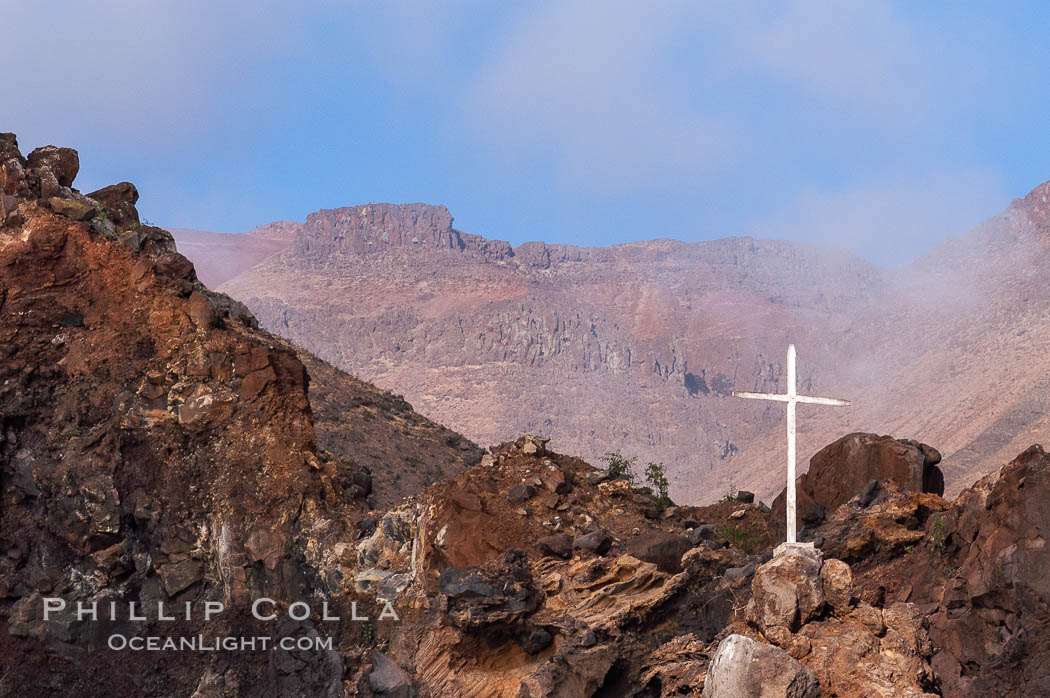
pixel 938 551
pixel 730 496
pixel 656 476
pixel 368 633
pixel 744 538
pixel 619 466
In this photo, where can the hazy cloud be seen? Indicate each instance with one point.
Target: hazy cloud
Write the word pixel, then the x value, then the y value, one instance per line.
pixel 144 76
pixel 891 222
pixel 593 90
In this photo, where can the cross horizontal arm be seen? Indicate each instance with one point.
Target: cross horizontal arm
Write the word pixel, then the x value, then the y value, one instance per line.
pixel 822 400
pixel 761 396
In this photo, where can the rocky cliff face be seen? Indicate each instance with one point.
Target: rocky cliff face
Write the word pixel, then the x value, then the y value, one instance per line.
pixel 156 447
pixel 499 340
pixel 637 347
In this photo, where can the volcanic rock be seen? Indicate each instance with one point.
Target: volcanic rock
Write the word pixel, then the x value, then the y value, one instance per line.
pixel 388 679
pixel 663 549
pixel 983 565
pixel 843 469
pixel 597 542
pixel 497 593
pixel 537 641
pixel 837 583
pixel 559 545
pixel 743 668
pixel 61 164
pixel 72 208
pixel 12 168
pixel 521 493
pixel 119 201
pixel 787 591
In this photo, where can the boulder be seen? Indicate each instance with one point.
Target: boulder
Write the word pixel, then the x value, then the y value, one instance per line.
pixel 71 208
pixel 843 469
pixel 174 265
pixel 597 542
pixel 500 593
pixel 705 532
pixel 661 548
pixel 12 168
pixel 744 668
pixel 559 545
pixel 60 163
pixel 521 493
pixel 859 655
pixel 8 209
pixel 152 241
pixel 534 445
pixel 201 311
pixel 388 679
pixel 598 477
pixel 788 591
pixel 177 576
pixel 836 579
pixel 119 200
pixel 537 641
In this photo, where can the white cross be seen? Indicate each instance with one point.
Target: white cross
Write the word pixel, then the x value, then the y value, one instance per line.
pixel 791 398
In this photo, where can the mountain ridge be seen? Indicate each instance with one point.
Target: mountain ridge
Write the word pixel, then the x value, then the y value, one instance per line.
pixel 464 325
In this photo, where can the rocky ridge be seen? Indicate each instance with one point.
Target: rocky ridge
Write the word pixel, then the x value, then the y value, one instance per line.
pixel 156 447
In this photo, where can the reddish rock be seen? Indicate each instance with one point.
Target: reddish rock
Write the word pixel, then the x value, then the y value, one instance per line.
pixel 61 163
pixel 119 200
pixel 201 310
pixel 12 168
pixel 985 566
pixel 841 470
pixel 787 591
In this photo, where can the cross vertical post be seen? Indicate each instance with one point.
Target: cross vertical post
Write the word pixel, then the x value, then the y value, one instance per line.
pixel 792 398
pixel 790 499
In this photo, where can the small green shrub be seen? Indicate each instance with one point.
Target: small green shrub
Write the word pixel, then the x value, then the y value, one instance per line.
pixel 743 538
pixel 619 466
pixel 656 476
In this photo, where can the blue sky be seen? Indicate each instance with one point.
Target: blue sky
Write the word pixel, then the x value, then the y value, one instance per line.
pixel 881 127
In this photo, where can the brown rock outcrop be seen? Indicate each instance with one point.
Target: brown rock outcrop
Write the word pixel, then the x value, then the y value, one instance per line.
pixel 982 570
pixel 805 605
pixel 119 200
pixel 840 470
pixel 743 668
pixel 157 447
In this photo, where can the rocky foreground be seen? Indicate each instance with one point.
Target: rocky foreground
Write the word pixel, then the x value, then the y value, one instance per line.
pixel 157 448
